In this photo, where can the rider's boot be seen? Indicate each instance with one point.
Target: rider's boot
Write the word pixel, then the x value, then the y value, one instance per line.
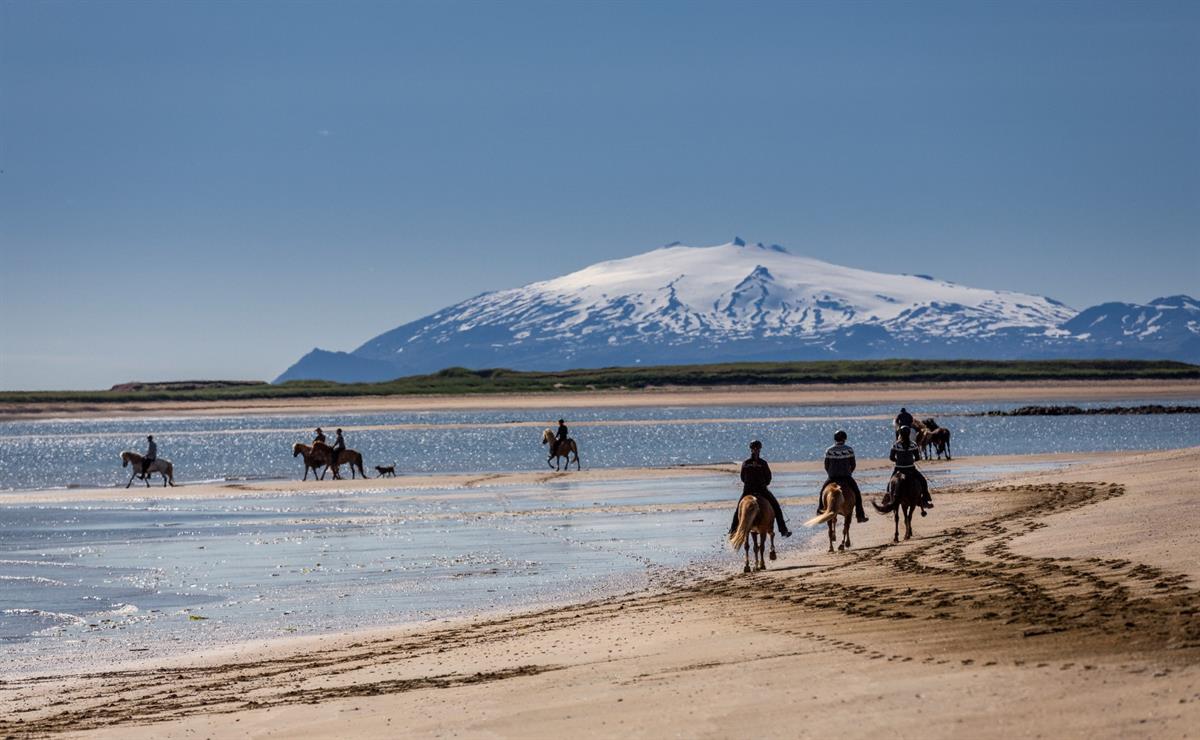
pixel 860 515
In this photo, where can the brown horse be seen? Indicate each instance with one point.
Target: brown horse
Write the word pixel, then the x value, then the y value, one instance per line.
pixel 558 451
pixel 904 492
pixel 755 517
pixel 160 465
pixel 940 440
pixel 314 459
pixel 350 457
pixel 318 456
pixel 835 501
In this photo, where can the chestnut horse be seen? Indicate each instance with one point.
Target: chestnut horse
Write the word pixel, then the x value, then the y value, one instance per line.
pixel 755 517
pixel 160 465
pixel 835 501
pixel 558 451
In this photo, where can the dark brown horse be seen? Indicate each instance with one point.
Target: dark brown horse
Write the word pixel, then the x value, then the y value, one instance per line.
pixel 904 492
pixel 939 439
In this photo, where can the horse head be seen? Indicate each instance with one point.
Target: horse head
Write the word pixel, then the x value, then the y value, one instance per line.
pixel 547 436
pixel 298 448
pixel 125 456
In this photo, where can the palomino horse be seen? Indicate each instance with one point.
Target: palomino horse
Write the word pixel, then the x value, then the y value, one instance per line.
pixel 559 451
pixel 835 501
pixel 160 465
pixel 755 517
pixel 904 492
pixel 318 455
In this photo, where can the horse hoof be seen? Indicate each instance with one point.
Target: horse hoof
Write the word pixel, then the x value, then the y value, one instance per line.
pixel 923 513
pixel 746 569
pixel 772 554
pixel 896 540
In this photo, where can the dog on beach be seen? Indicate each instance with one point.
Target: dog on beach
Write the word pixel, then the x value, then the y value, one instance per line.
pixel 386 470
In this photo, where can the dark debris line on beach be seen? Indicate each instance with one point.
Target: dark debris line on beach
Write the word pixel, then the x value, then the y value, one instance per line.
pixel 1076 410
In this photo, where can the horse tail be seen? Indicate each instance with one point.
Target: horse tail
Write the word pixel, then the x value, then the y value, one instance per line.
pixel 821 519
pixel 747 513
pixel 892 505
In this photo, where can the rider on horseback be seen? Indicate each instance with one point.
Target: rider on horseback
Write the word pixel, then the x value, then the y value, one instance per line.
pixel 320 438
pixel 150 456
pixel 756 476
pixel 905 455
pixel 339 445
pixel 839 466
pixel 559 437
pixel 903 419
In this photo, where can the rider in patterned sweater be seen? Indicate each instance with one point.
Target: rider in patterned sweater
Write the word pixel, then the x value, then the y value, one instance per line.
pixel 905 455
pixel 839 466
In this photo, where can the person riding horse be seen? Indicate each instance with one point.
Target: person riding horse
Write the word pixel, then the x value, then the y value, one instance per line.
pixel 904 455
pixel 903 419
pixel 839 467
pixel 320 438
pixel 339 445
pixel 150 456
pixel 559 437
pixel 756 476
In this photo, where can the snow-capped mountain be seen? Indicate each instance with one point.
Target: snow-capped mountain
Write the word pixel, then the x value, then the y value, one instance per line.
pixel 735 301
pixel 1170 325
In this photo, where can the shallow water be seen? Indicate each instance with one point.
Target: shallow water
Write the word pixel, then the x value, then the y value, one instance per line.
pixel 98 583
pixel 62 453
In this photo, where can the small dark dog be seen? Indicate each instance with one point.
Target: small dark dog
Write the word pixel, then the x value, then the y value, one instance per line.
pixel 386 470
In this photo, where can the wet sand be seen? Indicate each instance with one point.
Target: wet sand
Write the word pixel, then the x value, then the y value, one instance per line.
pixel 899 393
pixel 1058 604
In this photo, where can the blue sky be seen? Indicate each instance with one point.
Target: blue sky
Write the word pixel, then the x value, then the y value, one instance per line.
pixel 212 189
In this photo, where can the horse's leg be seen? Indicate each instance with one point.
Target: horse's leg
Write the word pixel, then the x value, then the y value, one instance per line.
pixel 130 483
pixel 747 568
pixel 896 518
pixel 832 532
pixel 771 534
pixel 908 512
pixel 846 531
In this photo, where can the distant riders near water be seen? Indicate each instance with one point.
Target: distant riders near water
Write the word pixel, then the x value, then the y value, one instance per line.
pixel 758 510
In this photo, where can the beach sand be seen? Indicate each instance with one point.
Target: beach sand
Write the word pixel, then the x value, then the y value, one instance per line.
pixel 912 394
pixel 1059 604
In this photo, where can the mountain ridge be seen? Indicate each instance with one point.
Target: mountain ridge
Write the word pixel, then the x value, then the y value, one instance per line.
pixel 740 301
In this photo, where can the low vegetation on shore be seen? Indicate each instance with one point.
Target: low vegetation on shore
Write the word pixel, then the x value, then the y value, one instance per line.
pixel 1154 408
pixel 453 381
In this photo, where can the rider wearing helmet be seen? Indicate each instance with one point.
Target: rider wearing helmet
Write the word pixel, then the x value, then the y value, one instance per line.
pixel 839 466
pixel 756 476
pixel 903 419
pixel 905 455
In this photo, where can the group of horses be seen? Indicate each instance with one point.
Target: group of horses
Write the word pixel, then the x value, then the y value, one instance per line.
pixel 320 457
pixel 756 520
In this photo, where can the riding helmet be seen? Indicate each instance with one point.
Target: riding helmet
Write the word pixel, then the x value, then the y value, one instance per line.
pixel 756 445
pixel 839 436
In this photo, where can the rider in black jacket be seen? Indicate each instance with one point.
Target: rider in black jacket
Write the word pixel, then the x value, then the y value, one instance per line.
pixel 756 476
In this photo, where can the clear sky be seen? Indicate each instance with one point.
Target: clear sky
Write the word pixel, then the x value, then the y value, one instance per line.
pixel 212 189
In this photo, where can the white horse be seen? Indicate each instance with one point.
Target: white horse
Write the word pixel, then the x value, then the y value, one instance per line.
pixel 160 465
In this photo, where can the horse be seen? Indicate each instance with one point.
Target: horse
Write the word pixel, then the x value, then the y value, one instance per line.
pixel 940 439
pixel 905 493
pixel 314 458
pixel 835 501
pixel 160 465
pixel 352 458
pixel 560 450
pixel 755 518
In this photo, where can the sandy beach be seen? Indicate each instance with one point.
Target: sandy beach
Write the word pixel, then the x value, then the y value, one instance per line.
pixel 900 393
pixel 1060 604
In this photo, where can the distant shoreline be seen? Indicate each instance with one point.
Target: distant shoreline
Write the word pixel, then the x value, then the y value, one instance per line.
pixel 902 393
